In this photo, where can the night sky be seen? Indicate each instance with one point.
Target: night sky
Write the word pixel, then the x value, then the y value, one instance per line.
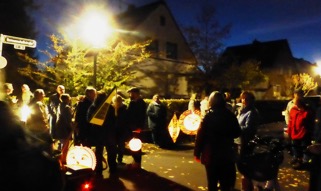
pixel 297 21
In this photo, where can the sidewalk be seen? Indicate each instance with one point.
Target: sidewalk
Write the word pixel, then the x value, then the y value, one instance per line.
pixel 176 170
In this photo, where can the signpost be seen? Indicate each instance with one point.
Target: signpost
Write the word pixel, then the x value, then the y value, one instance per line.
pixel 17 42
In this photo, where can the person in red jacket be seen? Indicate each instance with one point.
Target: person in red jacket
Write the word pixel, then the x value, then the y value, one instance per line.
pixel 299 132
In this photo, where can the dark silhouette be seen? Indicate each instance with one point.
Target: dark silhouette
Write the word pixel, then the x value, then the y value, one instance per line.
pixel 136 121
pixel 82 125
pixel 104 136
pixel 214 145
pixel 24 163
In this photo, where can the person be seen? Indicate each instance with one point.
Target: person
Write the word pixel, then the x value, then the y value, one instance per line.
pixel 204 106
pixel 104 136
pixel 191 103
pixel 64 121
pixel 54 101
pixel 315 170
pixel 26 95
pixel 214 145
pixel 9 97
pixel 24 164
pixel 156 116
pixel 297 94
pixel 299 132
pixel 122 131
pixel 136 118
pixel 82 125
pixel 248 119
pixel 37 121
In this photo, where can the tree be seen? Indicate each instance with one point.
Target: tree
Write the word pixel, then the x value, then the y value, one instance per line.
pixel 205 37
pixel 71 64
pixel 245 76
pixel 304 82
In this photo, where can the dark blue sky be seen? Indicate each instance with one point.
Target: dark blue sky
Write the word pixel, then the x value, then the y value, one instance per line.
pixel 298 21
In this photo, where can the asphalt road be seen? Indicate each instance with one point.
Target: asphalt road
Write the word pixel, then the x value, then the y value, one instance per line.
pixel 175 170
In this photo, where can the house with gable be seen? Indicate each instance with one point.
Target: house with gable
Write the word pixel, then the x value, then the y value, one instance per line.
pixel 276 62
pixel 168 69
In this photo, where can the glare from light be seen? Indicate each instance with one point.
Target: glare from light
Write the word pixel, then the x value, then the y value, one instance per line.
pixel 318 68
pixel 95 27
pixel 24 113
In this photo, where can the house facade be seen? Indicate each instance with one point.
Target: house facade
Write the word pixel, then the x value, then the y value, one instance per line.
pixel 276 62
pixel 171 62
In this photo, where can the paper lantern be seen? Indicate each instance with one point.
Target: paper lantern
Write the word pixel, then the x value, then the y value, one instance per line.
pixel 173 128
pixel 189 121
pixel 135 144
pixel 79 157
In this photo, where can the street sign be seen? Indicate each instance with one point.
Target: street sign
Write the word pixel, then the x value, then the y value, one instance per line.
pixel 19 47
pixel 18 41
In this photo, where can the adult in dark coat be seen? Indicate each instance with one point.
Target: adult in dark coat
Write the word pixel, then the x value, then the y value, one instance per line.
pixel 122 131
pixel 136 114
pixel 157 113
pixel 54 101
pixel 214 146
pixel 64 121
pixel 82 131
pixel 104 136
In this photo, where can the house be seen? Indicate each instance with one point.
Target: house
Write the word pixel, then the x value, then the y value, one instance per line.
pixel 276 62
pixel 171 63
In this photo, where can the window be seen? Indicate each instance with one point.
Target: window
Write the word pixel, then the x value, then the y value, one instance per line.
pixel 171 50
pixel 153 48
pixel 162 21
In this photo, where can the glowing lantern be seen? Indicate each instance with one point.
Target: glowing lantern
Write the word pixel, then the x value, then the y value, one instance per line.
pixel 24 113
pixel 190 121
pixel 135 144
pixel 173 128
pixel 80 157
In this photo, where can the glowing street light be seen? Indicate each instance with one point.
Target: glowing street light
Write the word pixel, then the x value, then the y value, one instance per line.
pixel 95 29
pixel 318 68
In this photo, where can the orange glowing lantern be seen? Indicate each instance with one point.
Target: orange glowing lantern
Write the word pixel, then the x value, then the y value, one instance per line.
pixel 173 128
pixel 189 121
pixel 135 144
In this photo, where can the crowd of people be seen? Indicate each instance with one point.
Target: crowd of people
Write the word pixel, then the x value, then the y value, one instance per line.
pixel 226 136
pixel 222 140
pixel 58 122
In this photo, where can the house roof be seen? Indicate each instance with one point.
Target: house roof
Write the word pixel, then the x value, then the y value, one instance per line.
pixel 265 52
pixel 136 15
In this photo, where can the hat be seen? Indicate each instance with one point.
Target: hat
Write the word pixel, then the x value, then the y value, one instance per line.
pixel 133 89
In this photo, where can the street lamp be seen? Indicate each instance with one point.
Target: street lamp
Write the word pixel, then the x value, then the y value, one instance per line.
pixel 95 29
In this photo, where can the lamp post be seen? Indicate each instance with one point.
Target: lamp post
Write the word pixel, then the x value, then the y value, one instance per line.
pixel 95 70
pixel 95 27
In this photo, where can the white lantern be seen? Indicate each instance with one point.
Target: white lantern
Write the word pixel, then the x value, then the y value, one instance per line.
pixel 79 157
pixel 135 144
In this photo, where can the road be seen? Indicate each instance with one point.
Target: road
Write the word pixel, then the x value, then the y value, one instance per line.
pixel 175 170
